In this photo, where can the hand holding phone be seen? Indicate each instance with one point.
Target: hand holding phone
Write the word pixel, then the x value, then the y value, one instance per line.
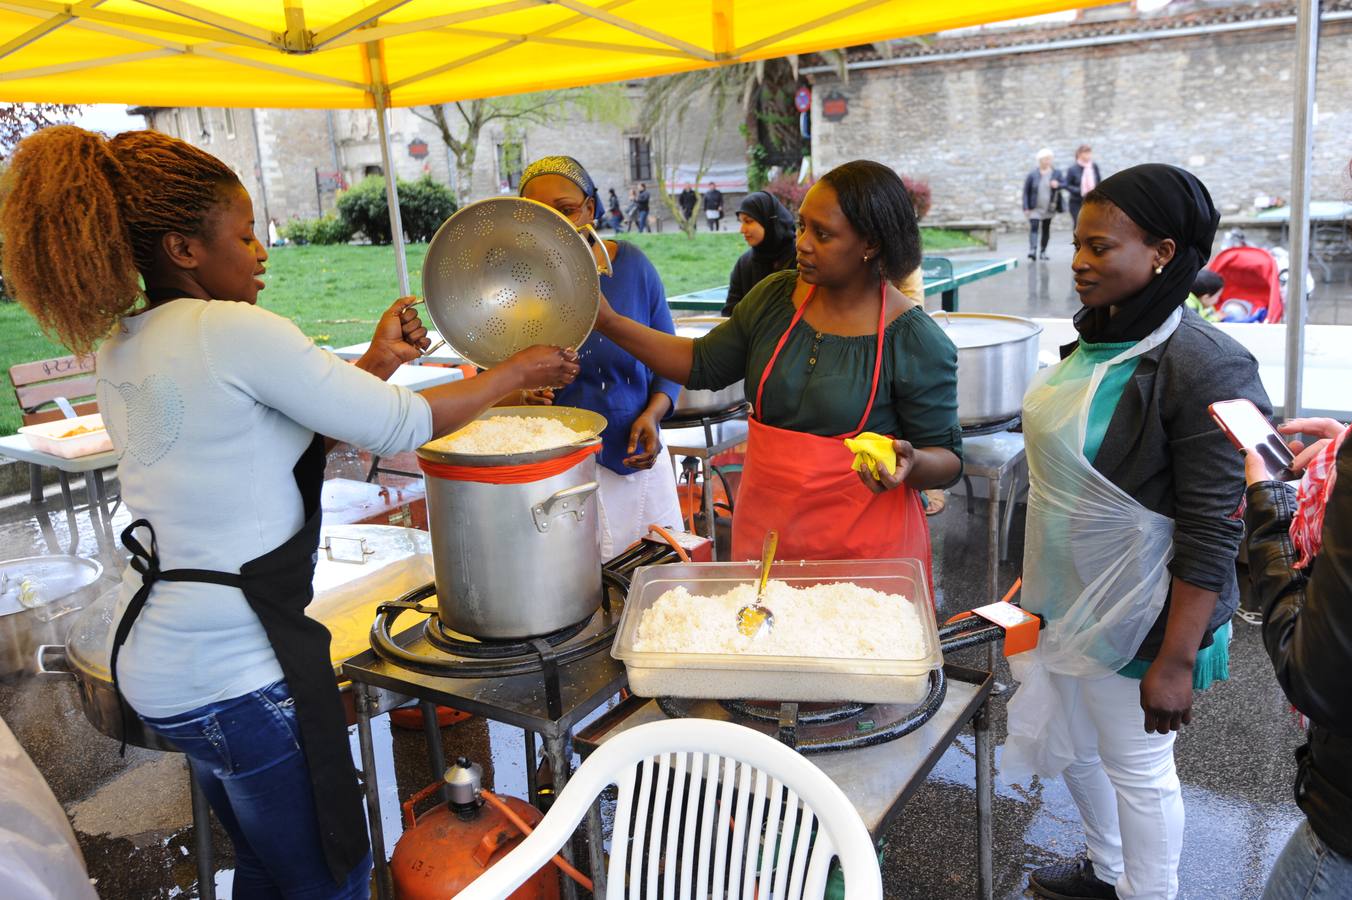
pixel 1250 431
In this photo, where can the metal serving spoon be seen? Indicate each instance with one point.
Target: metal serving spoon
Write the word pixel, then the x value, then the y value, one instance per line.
pixel 751 619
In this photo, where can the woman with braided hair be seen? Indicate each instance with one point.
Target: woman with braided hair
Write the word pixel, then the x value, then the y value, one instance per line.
pixel 142 248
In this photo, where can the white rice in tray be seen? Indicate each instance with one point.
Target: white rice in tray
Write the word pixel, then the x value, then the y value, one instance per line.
pixel 501 435
pixel 839 620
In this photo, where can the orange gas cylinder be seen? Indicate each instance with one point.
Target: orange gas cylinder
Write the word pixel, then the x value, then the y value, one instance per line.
pixel 452 844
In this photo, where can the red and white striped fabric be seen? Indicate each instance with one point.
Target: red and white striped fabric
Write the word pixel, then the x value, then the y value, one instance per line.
pixel 1316 486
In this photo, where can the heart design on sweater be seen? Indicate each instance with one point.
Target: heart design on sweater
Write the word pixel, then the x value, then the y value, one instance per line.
pixel 145 419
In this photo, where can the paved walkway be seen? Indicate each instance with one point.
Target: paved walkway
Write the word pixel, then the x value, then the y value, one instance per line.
pixel 1046 288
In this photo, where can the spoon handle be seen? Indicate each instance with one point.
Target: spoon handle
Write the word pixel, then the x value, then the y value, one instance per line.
pixel 767 557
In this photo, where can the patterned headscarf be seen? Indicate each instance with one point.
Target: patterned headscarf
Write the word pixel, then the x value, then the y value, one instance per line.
pixel 1316 486
pixel 565 167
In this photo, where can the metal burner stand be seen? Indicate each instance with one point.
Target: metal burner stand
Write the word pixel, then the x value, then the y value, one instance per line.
pixel 704 437
pixel 879 779
pixel 539 703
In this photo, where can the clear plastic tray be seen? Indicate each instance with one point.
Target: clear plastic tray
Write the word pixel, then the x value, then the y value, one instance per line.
pixel 800 678
pixel 47 437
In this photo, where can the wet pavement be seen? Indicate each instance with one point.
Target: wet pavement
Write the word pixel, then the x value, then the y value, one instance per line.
pixel 1045 289
pixel 133 818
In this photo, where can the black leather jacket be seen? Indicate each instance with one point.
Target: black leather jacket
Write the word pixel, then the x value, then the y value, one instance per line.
pixel 1307 626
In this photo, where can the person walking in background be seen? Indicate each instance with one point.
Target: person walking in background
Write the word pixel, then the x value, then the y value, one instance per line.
pixel 713 207
pixel 641 201
pixel 688 201
pixel 1041 202
pixel 630 208
pixel 1300 567
pixel 1081 177
pixel 614 218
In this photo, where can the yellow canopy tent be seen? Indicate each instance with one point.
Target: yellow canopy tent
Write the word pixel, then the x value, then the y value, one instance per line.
pixel 351 53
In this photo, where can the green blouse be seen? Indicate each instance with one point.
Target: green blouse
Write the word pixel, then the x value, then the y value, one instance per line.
pixel 820 383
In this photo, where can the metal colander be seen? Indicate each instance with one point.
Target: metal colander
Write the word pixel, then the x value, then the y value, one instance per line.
pixel 505 273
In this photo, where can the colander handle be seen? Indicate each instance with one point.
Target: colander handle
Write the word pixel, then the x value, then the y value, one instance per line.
pixel 595 243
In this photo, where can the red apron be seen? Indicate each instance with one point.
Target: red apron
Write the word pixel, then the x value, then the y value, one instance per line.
pixel 802 485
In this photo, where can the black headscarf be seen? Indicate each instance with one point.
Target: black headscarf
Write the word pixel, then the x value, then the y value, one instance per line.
pixel 1166 202
pixel 778 243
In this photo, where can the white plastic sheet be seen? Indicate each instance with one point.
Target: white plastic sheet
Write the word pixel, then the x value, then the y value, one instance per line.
pixel 39 857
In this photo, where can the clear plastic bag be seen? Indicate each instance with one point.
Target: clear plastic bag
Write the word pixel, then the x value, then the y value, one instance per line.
pixel 1095 565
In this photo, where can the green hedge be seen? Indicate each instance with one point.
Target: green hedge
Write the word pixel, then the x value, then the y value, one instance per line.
pixel 423 205
pixel 327 229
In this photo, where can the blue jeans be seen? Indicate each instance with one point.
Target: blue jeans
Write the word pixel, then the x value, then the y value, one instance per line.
pixel 642 220
pixel 1308 870
pixel 245 753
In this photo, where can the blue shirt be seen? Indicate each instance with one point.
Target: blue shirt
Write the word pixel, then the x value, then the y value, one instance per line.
pixel 612 382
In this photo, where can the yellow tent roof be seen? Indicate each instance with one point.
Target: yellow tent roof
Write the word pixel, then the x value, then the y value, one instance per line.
pixel 330 53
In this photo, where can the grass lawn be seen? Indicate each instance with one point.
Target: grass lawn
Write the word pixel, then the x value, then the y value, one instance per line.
pixel 335 294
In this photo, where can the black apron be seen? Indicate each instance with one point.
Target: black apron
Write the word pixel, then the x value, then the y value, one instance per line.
pixel 278 586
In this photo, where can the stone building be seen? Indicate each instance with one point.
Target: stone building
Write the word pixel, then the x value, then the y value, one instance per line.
pixel 294 161
pixel 1207 86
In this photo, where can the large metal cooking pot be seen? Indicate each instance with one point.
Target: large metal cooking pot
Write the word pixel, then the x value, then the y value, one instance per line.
pixel 997 356
pixel 506 273
pixel 696 402
pixel 359 567
pixel 516 560
pixel 37 596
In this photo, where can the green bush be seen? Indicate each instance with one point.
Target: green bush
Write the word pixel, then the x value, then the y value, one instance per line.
pixel 327 229
pixel 423 205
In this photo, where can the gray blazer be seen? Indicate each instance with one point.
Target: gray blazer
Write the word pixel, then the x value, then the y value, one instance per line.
pixel 1163 448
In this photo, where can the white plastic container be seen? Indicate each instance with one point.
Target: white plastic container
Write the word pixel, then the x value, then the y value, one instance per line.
pixel 903 679
pixel 47 437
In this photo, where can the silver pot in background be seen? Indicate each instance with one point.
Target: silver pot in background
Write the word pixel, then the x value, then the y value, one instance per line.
pixel 37 596
pixel 997 356
pixel 697 402
pixel 516 560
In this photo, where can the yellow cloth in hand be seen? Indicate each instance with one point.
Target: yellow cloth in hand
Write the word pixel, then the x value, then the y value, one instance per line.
pixel 872 450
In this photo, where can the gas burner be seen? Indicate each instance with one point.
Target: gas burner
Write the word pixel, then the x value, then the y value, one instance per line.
pixel 441 637
pixel 992 427
pixel 459 656
pixel 818 728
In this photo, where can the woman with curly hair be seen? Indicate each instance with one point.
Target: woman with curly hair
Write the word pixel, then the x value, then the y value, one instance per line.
pixel 143 248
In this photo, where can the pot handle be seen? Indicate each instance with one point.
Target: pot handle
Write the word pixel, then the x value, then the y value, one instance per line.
pixel 565 502
pixel 594 241
pixel 59 664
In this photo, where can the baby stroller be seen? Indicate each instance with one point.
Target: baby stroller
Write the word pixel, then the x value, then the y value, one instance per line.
pixel 1253 289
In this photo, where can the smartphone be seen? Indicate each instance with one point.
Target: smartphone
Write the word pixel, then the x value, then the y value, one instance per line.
pixel 1250 431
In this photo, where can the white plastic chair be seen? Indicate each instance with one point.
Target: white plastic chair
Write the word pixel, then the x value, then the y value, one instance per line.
pixel 744 784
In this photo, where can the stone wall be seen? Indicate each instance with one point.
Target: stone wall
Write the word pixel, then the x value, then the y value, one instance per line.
pixel 1217 104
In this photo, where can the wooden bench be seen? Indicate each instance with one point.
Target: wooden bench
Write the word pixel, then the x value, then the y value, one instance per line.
pixel 40 387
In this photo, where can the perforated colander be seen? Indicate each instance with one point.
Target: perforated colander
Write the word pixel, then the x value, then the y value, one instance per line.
pixel 505 273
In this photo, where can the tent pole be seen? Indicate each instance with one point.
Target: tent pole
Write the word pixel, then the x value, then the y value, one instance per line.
pixel 1302 139
pixel 380 93
pixel 392 193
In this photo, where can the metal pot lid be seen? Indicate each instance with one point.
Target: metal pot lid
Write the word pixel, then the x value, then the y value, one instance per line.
pixel 33 581
pixel 585 421
pixel 506 273
pixel 968 331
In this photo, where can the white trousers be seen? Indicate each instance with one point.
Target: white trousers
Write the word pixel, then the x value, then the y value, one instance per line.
pixel 1124 782
pixel 630 503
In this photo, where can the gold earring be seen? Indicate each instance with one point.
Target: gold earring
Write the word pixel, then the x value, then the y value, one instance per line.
pixel 865 257
pixel 1159 270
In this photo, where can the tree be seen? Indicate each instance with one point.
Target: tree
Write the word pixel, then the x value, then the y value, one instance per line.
pixel 18 120
pixel 763 90
pixel 667 106
pixel 462 123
